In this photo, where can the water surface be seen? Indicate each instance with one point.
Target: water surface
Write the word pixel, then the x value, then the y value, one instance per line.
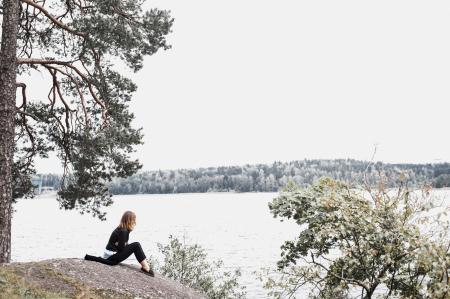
pixel 235 227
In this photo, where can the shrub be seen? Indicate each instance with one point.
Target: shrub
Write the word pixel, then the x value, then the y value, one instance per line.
pixel 361 242
pixel 188 264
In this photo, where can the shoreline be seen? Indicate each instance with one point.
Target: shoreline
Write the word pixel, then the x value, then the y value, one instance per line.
pixel 53 193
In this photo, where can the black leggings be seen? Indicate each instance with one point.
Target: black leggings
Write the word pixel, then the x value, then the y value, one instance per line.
pixel 121 255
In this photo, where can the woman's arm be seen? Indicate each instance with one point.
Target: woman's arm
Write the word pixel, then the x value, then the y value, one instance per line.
pixel 122 239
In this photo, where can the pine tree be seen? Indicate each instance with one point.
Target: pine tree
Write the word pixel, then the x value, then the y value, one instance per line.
pixel 85 117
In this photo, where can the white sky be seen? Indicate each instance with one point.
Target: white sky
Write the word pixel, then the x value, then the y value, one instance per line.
pixel 254 81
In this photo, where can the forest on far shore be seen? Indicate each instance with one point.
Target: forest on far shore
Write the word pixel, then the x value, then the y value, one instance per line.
pixel 269 177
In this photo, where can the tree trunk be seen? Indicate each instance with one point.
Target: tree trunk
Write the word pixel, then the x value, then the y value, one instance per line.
pixel 7 114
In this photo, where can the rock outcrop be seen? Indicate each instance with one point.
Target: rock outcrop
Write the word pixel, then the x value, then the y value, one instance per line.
pixel 77 278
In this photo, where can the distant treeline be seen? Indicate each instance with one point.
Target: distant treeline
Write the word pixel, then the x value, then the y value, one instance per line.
pixel 48 180
pixel 270 177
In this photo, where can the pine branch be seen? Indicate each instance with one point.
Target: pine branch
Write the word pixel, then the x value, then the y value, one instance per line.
pixel 78 88
pixel 54 19
pixel 68 64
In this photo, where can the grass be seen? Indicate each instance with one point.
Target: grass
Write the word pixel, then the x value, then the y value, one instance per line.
pixel 14 285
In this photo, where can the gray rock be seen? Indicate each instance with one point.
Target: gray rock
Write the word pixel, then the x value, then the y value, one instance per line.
pixel 121 281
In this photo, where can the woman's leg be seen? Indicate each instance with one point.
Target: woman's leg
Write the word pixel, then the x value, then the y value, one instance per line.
pixel 99 259
pixel 127 251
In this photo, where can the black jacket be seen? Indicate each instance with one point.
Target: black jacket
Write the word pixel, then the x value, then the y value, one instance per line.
pixel 118 240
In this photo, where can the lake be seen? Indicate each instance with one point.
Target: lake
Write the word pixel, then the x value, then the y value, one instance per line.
pixel 234 227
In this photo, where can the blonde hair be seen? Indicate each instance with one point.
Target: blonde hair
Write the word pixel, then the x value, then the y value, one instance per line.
pixel 128 220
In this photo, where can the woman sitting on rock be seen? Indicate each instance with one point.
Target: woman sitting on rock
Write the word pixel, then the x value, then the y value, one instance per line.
pixel 118 249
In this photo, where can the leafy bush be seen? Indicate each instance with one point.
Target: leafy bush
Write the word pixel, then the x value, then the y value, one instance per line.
pixel 361 243
pixel 188 265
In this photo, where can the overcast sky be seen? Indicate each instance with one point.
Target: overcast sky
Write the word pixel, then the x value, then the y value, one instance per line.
pixel 254 81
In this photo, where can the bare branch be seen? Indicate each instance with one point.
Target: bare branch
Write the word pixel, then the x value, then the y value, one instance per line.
pixel 24 95
pixel 43 61
pixel 21 110
pixel 77 86
pixel 67 64
pixel 61 97
pixel 47 63
pixel 366 181
pixel 349 280
pixel 54 19
pixel 26 114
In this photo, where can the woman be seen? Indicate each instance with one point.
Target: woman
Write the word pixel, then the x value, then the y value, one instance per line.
pixel 118 249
